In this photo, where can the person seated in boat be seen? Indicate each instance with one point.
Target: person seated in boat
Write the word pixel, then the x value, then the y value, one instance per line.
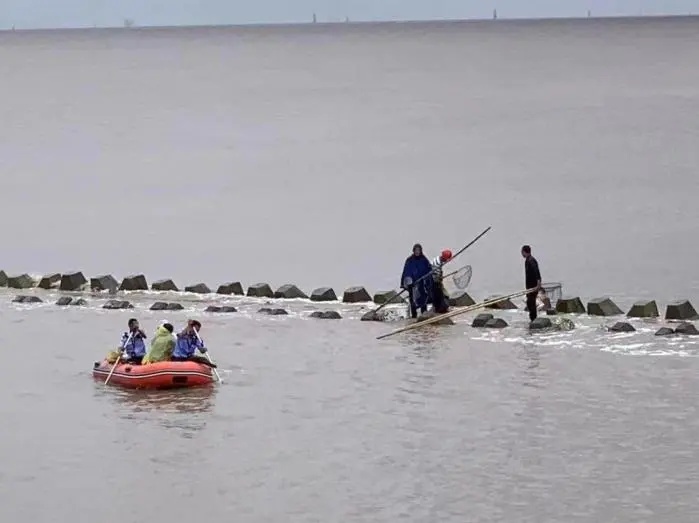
pixel 133 346
pixel 188 341
pixel 414 279
pixel 162 345
pixel 440 305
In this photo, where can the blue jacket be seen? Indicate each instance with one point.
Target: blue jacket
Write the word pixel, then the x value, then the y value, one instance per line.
pixel 415 268
pixel 185 345
pixel 135 347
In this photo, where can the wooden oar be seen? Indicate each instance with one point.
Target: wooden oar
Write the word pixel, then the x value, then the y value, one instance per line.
pixel 218 376
pixel 456 312
pixel 429 274
pixel 123 347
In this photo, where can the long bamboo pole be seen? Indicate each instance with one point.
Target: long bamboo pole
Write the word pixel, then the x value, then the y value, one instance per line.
pixel 456 312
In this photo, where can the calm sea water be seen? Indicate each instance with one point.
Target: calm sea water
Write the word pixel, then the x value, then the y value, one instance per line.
pixel 319 155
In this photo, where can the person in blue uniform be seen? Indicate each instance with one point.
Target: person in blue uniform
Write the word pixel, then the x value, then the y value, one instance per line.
pixel 187 342
pixel 415 280
pixel 132 345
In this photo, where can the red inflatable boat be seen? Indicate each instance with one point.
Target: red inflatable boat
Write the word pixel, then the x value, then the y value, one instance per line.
pixel 163 375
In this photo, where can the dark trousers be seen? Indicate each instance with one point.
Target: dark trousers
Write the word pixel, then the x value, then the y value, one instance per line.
pixel 439 301
pixel 413 307
pixel 134 360
pixel 531 305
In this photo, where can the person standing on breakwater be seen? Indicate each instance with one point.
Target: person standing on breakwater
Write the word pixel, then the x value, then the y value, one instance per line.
pixel 532 279
pixel 132 343
pixel 414 279
pixel 439 300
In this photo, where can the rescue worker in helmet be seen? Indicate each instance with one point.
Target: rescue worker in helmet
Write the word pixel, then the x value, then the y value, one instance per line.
pixel 440 305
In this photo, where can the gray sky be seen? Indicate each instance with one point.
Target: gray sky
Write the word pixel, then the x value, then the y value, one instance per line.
pixel 77 13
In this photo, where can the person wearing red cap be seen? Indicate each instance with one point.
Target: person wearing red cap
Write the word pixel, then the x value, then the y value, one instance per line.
pixel 440 305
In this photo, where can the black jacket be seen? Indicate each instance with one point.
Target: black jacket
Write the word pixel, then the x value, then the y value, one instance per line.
pixel 532 276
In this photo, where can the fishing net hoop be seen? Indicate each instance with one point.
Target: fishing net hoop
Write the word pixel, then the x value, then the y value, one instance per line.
pixel 462 277
pixel 549 295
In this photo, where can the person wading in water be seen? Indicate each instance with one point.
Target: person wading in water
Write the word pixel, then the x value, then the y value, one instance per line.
pixel 440 303
pixel 532 279
pixel 414 279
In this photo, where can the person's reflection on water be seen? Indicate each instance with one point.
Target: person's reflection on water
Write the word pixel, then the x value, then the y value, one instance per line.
pixel 532 361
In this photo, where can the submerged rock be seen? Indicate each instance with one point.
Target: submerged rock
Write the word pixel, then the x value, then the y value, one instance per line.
pixel 356 295
pixel 603 307
pixel 198 288
pixel 166 285
pixel 74 302
pixel 570 306
pixel 290 292
pixel 229 288
pixel 541 323
pixel 496 323
pixel 159 306
pixel 371 316
pixel 622 326
pixel 680 310
pixel 117 305
pixel 50 281
pixel 173 306
pixel 461 299
pixel 665 331
pixel 644 309
pixel 564 324
pixel 260 290
pixel 504 304
pixel 23 281
pixel 481 320
pixel 272 312
pixel 221 309
pixel 323 294
pixel 27 299
pixel 166 306
pixel 687 329
pixel 135 282
pixel 382 297
pixel 72 281
pixel 106 282
pixel 326 315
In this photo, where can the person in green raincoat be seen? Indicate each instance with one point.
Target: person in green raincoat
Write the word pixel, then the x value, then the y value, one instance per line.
pixel 161 345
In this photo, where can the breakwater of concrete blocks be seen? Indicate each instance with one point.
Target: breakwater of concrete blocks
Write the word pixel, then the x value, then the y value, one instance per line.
pixel 73 285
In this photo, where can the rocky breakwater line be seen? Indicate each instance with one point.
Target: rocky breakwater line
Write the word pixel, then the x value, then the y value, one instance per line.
pixel 73 285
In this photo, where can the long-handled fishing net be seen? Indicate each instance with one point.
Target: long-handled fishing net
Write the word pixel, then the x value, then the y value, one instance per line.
pixel 549 295
pixel 453 282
